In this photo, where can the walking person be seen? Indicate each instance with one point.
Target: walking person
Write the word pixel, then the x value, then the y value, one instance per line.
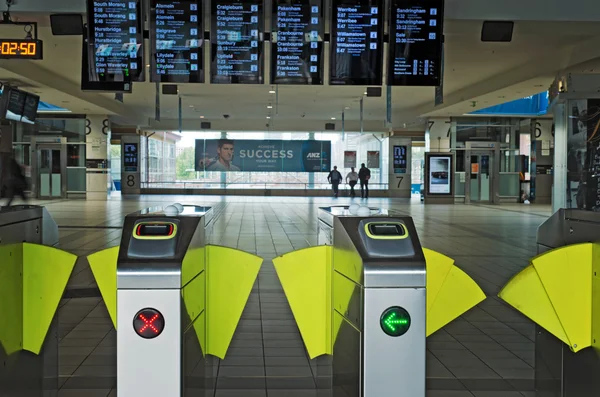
pixel 364 175
pixel 13 181
pixel 352 180
pixel 335 178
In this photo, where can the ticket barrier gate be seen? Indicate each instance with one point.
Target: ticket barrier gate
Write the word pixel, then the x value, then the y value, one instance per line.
pixel 174 299
pixel 560 292
pixel 365 304
pixel 33 278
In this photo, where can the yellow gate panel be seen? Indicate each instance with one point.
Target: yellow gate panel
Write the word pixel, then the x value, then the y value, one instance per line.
pixel 566 274
pixel 104 267
pixel 305 276
pixel 450 291
pixel 230 276
pixel 46 272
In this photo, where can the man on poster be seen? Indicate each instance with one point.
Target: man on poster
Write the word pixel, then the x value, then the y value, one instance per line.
pixel 222 163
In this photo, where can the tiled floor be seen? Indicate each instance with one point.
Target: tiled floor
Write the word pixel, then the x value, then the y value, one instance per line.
pixel 488 352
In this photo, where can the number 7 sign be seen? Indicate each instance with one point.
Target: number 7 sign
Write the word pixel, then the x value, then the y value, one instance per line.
pixel 400 179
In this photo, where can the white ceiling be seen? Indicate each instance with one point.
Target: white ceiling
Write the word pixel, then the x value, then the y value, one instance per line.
pixel 487 73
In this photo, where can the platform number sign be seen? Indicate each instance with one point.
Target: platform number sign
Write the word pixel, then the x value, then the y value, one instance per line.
pixel 130 180
pixel 148 323
pixel 395 321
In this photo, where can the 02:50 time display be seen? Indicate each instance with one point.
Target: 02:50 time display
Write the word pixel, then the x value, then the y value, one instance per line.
pixel 12 48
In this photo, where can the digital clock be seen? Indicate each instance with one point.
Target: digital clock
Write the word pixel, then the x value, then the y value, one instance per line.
pixel 21 49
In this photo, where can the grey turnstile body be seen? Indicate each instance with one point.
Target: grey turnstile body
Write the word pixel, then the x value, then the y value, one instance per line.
pixel 24 374
pixel 379 307
pixel 27 223
pixel 158 353
pixel 558 371
pixel 326 216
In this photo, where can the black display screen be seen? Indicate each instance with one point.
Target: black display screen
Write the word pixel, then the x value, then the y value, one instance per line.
pixel 357 42
pixel 237 42
pixel 130 157
pixel 19 105
pixel 297 42
pixel 115 40
pixel 177 37
pixel 416 40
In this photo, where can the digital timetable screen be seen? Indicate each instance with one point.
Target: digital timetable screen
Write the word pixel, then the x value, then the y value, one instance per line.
pixel 297 42
pixel 177 37
pixel 357 42
pixel 237 42
pixel 416 40
pixel 115 39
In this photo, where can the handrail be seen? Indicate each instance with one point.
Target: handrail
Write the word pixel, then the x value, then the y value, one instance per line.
pixel 251 185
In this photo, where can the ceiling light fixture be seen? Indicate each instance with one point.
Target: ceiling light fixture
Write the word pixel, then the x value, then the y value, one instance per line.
pixel 269 107
pixel 272 92
pixel 268 117
pixel 201 117
pixel 333 118
pixel 366 93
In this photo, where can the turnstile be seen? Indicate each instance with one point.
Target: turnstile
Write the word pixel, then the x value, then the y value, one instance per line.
pixel 379 335
pixel 366 298
pixel 559 372
pixel 160 303
pixel 29 275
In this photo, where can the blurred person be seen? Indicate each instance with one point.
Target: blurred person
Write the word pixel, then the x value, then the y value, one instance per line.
pixel 335 178
pixel 352 180
pixel 13 181
pixel 364 175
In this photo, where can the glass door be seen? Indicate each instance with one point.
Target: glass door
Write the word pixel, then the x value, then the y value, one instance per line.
pixel 481 177
pixel 50 174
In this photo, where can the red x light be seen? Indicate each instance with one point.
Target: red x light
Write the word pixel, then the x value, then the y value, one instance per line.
pixel 148 323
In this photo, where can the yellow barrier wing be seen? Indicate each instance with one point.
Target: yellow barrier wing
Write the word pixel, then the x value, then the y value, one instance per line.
pixel 450 291
pixel 303 275
pixel 230 276
pixel 104 267
pixel 46 272
pixel 11 298
pixel 555 291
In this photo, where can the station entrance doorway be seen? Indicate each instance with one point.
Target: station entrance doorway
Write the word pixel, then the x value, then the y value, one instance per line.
pixel 49 169
pixel 482 172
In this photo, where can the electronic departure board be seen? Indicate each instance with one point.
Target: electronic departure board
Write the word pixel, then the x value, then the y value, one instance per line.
pixel 237 41
pixel 357 42
pixel 416 40
pixel 115 39
pixel 177 38
pixel 297 42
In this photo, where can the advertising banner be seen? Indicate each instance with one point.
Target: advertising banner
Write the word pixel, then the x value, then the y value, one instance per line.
pixel 349 159
pixel 227 155
pixel 373 159
pixel 439 175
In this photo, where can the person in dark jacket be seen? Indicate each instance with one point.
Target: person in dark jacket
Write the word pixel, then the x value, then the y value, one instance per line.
pixel 364 175
pixel 335 178
pixel 13 181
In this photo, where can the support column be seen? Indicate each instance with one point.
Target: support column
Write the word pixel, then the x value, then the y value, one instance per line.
pixel 130 164
pixel 97 141
pixel 399 179
pixel 577 147
pixel 438 135
pixel 6 140
pixel 224 174
pixel 311 175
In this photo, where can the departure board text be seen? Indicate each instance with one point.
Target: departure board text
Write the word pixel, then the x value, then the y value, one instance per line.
pixel 297 47
pixel 177 35
pixel 357 42
pixel 416 39
pixel 236 40
pixel 115 38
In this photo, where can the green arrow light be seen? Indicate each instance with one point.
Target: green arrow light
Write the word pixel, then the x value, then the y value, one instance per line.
pixel 395 321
